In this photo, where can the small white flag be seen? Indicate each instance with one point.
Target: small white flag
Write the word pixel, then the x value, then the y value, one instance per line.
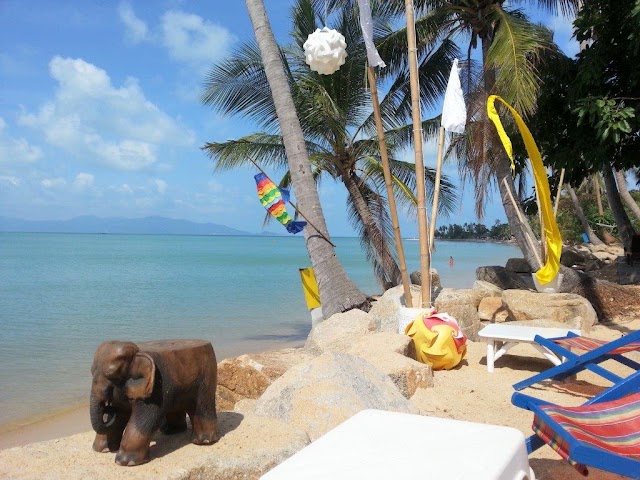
pixel 367 33
pixel 454 112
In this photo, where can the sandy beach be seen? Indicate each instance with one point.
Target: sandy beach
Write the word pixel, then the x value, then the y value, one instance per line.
pixel 468 392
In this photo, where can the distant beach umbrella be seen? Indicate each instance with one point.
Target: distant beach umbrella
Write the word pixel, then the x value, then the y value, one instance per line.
pixel 325 50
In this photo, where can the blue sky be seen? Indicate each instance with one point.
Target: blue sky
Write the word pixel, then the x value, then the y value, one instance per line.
pixel 100 113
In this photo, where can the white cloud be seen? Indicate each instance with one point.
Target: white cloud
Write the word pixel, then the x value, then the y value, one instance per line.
pixel 16 150
pixel 191 39
pixel 161 186
pixel 10 180
pixel 83 180
pixel 137 30
pixel 215 186
pixel 98 122
pixel 53 182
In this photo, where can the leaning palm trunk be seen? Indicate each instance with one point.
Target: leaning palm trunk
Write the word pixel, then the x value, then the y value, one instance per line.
pixel 593 238
pixel 625 229
pixel 337 292
pixel 392 274
pixel 625 195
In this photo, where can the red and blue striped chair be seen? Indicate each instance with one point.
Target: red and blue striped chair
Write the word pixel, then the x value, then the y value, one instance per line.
pixel 597 351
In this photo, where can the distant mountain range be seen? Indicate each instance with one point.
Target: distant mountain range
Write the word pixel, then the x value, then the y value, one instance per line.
pixel 146 225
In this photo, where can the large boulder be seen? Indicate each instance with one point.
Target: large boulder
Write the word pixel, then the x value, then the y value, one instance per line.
pixel 518 265
pixel 462 304
pixel 339 331
pixel 319 395
pixel 247 376
pixel 491 309
pixel 487 289
pixel 416 278
pixel 249 446
pixel 502 278
pixel 560 307
pixel 388 310
pixel 394 355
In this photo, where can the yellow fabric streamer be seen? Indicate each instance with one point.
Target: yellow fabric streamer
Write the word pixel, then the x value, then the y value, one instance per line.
pixel 554 241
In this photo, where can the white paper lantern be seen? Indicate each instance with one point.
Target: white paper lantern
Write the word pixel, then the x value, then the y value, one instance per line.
pixel 325 50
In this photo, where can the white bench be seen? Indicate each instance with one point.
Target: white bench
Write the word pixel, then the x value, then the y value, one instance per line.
pixel 380 445
pixel 501 337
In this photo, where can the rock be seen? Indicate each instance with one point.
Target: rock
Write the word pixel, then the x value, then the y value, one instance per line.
pixel 249 447
pixel 574 323
pixel 491 309
pixel 386 311
pixel 570 257
pixel 500 277
pixel 518 265
pixel 394 355
pixel 319 395
pixel 245 406
pixel 487 289
pixel 462 304
pixel 416 278
pixel 608 238
pixel 560 307
pixel 604 256
pixel 247 376
pixel 339 331
pixel 627 274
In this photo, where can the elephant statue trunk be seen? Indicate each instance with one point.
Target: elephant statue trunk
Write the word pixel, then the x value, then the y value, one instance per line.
pixel 103 415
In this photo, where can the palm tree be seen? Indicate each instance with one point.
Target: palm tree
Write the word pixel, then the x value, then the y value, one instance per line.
pixel 337 292
pixel 511 46
pixel 337 121
pixel 628 200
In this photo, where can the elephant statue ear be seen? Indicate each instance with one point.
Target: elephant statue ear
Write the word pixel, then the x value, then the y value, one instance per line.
pixel 141 377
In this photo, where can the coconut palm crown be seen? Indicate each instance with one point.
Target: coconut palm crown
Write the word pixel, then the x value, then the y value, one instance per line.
pixel 336 116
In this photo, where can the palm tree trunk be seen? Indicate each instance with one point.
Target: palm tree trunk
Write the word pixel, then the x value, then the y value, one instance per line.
pixel 625 195
pixel 520 230
pixel 625 229
pixel 392 274
pixel 337 292
pixel 593 238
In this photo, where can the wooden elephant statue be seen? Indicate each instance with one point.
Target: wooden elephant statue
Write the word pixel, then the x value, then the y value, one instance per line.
pixel 140 388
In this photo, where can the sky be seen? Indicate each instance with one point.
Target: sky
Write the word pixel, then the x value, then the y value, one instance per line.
pixel 100 114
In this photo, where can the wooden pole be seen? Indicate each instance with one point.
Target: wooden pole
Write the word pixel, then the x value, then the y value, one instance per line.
pixel 423 224
pixel 436 194
pixel 532 245
pixel 543 235
pixel 387 180
pixel 557 202
pixel 596 189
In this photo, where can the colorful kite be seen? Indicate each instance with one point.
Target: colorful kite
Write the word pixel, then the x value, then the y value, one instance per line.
pixel 273 199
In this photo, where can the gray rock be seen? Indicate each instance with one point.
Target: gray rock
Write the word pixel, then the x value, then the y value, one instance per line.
pixel 501 277
pixel 518 265
pixel 394 355
pixel 339 332
pixel 560 307
pixel 322 393
pixel 462 304
pixel 386 311
pixel 416 278
pixel 487 289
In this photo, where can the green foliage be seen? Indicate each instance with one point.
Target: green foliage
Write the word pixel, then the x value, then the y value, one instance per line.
pixel 610 118
pixel 474 231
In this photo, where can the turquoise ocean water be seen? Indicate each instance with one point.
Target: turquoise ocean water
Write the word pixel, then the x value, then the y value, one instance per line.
pixel 63 294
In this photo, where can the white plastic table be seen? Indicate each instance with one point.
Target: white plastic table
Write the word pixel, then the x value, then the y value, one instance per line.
pixel 376 445
pixel 500 338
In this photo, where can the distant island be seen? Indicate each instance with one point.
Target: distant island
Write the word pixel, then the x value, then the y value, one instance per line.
pixel 146 225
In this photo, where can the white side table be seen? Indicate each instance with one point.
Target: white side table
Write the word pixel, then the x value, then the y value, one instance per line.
pixel 377 445
pixel 501 337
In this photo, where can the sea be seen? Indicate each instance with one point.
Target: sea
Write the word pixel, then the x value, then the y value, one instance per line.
pixel 61 295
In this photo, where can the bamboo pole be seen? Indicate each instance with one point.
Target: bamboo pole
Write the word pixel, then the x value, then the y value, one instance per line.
pixel 436 194
pixel 423 224
pixel 557 202
pixel 387 180
pixel 532 245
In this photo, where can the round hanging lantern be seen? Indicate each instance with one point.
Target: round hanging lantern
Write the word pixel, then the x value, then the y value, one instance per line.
pixel 325 50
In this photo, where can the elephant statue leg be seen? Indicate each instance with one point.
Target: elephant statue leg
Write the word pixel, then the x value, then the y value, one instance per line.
pixel 134 447
pixel 175 422
pixel 204 424
pixel 110 442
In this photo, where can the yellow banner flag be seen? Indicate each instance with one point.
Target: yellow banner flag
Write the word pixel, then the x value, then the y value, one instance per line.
pixel 310 288
pixel 554 241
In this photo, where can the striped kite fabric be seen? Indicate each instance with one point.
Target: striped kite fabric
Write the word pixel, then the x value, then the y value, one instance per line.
pixel 273 199
pixel 612 426
pixel 588 344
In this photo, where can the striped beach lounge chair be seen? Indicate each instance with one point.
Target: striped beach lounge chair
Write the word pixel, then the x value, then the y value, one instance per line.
pixel 604 434
pixel 597 352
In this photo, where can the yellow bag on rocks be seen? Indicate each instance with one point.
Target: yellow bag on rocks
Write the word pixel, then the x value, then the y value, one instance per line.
pixel 438 339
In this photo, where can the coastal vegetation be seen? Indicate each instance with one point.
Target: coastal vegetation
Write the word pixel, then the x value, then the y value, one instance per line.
pixel 335 115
